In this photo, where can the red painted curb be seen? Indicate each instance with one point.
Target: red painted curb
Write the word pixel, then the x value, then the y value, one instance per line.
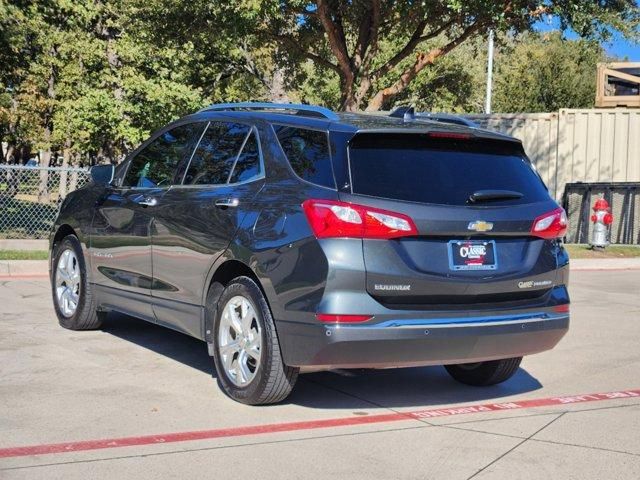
pixel 54 448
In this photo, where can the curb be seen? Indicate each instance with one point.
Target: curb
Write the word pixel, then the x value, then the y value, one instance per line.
pixel 24 268
pixel 24 245
pixel 604 264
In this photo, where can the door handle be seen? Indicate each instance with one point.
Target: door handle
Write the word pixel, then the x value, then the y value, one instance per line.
pixel 148 202
pixel 227 202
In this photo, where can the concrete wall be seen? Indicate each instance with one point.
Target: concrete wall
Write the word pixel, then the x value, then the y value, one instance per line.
pixel 600 145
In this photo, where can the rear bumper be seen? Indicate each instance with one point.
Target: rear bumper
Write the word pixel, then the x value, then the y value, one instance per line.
pixel 408 342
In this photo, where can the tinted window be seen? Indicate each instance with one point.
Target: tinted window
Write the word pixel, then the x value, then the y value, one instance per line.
pixel 216 153
pixel 157 163
pixel 417 169
pixel 248 163
pixel 308 154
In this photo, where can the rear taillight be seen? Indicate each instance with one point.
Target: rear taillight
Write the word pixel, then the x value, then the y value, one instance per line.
pixel 551 225
pixel 333 219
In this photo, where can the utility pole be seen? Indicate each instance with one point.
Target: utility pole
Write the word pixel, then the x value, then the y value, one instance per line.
pixel 487 103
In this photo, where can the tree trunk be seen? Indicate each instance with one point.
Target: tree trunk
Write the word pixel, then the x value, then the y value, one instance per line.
pixel 9 156
pixel 75 163
pixel 423 60
pixel 43 186
pixel 66 155
pixel 349 102
pixel 278 90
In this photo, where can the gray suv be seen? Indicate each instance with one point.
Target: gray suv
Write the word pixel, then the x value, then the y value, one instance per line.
pixel 291 238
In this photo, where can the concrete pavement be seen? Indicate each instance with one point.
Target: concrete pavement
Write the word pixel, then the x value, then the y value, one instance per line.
pixel 133 379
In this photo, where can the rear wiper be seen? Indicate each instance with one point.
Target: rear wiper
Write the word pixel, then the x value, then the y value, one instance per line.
pixel 487 195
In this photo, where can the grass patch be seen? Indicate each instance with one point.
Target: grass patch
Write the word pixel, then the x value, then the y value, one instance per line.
pixel 612 251
pixel 24 255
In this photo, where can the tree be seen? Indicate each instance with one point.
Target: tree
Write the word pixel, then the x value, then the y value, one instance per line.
pixel 78 81
pixel 344 37
pixel 543 73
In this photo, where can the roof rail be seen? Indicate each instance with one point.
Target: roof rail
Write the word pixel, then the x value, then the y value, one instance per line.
pixel 300 109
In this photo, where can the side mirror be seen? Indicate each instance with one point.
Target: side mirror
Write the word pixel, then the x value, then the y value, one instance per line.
pixel 102 174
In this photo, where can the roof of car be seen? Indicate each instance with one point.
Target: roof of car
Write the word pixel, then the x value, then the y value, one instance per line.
pixel 325 119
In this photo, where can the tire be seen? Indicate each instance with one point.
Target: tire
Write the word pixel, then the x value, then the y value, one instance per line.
pixel 265 378
pixel 483 374
pixel 85 315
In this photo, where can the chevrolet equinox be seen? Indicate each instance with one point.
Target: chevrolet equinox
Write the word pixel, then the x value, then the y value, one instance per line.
pixel 291 238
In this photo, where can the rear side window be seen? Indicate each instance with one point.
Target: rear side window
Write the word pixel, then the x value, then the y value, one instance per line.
pixel 216 154
pixel 418 169
pixel 308 154
pixel 156 164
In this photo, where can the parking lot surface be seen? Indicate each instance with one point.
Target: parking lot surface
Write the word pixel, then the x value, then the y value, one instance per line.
pixel 134 400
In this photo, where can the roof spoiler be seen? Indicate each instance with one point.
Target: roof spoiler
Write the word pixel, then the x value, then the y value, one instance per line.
pixel 408 114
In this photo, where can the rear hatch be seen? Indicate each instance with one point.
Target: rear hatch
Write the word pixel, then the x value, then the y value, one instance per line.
pixel 473 202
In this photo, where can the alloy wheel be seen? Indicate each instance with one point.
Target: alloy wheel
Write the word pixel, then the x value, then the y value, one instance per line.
pixel 67 279
pixel 240 341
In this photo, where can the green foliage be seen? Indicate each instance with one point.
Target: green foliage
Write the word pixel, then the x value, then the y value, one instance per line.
pixel 378 48
pixel 543 73
pixel 92 78
pixel 83 82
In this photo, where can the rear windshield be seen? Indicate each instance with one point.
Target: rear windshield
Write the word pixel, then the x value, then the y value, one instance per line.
pixel 416 168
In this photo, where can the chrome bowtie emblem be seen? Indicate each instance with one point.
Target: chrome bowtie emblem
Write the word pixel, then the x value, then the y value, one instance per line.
pixel 480 226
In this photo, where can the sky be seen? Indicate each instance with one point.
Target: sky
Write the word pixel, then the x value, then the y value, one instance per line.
pixel 622 48
pixel 618 47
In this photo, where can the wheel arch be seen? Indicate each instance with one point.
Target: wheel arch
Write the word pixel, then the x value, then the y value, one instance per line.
pixel 223 274
pixel 63 230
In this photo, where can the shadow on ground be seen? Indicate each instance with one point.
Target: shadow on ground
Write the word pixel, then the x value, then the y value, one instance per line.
pixel 392 388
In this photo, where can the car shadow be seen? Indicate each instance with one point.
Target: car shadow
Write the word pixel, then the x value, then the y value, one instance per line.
pixel 164 341
pixel 391 388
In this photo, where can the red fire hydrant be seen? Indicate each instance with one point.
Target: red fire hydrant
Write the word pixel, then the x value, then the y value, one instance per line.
pixel 601 219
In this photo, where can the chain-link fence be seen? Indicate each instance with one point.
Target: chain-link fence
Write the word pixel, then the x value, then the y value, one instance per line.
pixel 30 196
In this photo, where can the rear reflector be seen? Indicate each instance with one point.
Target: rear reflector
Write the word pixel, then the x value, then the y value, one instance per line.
pixel 329 318
pixel 561 308
pixel 551 225
pixel 334 219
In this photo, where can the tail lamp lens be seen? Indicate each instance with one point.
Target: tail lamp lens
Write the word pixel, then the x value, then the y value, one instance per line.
pixel 334 219
pixel 551 225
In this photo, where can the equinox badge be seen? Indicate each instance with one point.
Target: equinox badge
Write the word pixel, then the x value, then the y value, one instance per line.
pixel 480 226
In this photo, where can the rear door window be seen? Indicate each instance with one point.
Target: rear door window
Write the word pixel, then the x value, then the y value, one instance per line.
pixel 308 154
pixel 247 165
pixel 156 165
pixel 216 154
pixel 418 169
